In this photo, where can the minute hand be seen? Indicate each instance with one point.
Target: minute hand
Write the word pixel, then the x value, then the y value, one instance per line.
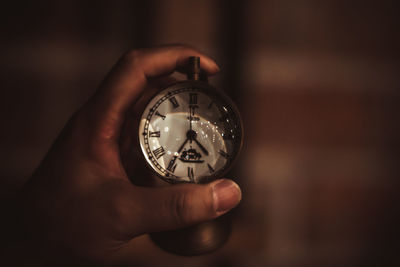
pixel 201 147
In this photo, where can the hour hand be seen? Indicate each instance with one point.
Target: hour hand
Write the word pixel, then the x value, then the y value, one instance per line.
pixel 201 147
pixel 181 147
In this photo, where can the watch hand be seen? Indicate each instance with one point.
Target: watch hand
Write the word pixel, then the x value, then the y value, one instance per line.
pixel 190 136
pixel 190 120
pixel 201 147
pixel 181 147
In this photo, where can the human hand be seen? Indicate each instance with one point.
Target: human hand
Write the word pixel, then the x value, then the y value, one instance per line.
pixel 80 202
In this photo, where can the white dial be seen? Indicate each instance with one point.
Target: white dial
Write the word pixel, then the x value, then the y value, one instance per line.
pixel 190 133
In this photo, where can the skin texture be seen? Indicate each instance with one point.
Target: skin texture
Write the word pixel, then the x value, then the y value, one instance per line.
pixel 81 204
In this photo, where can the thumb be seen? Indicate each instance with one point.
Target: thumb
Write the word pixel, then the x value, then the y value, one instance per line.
pixel 172 207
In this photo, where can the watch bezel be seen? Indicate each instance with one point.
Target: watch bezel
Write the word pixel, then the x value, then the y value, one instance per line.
pixel 209 90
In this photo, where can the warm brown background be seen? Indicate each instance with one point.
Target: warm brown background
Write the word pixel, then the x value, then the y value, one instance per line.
pixel 317 83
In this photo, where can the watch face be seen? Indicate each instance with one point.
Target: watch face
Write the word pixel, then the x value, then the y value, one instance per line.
pixel 190 132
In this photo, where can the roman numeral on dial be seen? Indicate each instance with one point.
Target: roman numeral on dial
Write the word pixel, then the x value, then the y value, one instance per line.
pixel 159 152
pixel 191 174
pixel 155 134
pixel 175 103
pixel 160 115
pixel 172 166
pixel 223 153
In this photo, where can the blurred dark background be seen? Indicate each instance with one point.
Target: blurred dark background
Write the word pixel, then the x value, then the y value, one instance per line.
pixel 317 83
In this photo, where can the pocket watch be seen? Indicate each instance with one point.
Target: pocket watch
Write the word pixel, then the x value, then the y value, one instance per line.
pixel 190 131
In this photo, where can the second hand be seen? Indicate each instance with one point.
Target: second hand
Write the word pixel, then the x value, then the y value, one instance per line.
pixel 191 109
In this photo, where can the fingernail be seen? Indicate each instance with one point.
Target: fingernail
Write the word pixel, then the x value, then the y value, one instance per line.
pixel 226 194
pixel 213 65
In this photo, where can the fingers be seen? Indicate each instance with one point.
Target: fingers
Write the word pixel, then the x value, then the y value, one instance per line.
pixel 126 82
pixel 172 207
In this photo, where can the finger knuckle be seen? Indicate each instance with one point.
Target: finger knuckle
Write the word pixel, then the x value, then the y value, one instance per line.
pixel 117 208
pixel 179 207
pixel 117 200
pixel 119 213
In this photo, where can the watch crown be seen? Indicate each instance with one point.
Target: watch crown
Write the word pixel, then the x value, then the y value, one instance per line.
pixel 194 70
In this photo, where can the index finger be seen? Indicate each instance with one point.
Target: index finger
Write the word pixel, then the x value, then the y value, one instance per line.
pixel 126 81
